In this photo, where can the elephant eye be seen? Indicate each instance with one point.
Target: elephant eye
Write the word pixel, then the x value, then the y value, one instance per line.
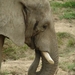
pixel 45 26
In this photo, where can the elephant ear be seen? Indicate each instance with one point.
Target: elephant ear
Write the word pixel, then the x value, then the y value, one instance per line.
pixel 12 22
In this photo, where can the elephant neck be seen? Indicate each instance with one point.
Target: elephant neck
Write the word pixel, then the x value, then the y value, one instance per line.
pixel 33 67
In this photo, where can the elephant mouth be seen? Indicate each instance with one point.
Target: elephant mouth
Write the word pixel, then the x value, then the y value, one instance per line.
pixel 46 54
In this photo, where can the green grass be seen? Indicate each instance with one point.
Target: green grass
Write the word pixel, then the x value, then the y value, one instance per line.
pixel 71 66
pixel 71 43
pixel 66 43
pixel 66 50
pixel 68 15
pixel 67 38
pixel 64 10
pixel 11 51
pixel 55 4
pixel 67 66
pixel 4 73
pixel 63 35
pixel 8 73
pixel 68 4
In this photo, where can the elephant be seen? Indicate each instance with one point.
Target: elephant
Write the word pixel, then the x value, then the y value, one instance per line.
pixel 30 22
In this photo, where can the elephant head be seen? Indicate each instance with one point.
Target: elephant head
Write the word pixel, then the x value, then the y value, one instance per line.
pixel 40 35
pixel 30 22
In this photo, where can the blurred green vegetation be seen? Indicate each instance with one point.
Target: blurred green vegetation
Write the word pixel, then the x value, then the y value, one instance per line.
pixel 11 51
pixel 68 4
pixel 66 45
pixel 63 37
pixel 67 66
pixel 64 10
pixel 68 15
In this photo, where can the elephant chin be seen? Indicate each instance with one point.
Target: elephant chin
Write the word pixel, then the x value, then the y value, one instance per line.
pixel 48 65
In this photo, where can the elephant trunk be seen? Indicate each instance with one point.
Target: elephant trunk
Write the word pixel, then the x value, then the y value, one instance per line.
pixel 47 68
pixel 33 67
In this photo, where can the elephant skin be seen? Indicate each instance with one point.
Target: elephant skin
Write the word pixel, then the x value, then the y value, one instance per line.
pixel 30 22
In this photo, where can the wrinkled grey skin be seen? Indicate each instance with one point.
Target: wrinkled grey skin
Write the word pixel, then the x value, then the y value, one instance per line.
pixel 30 22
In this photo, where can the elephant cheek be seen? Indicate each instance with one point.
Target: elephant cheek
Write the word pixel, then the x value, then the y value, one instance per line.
pixel 43 44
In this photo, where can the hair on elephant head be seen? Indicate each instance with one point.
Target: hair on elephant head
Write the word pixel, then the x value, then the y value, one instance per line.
pixel 30 22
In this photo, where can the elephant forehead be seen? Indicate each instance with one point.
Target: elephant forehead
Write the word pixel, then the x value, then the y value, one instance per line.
pixel 12 21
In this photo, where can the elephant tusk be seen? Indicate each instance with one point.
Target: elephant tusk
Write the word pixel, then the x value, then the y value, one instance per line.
pixel 48 57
